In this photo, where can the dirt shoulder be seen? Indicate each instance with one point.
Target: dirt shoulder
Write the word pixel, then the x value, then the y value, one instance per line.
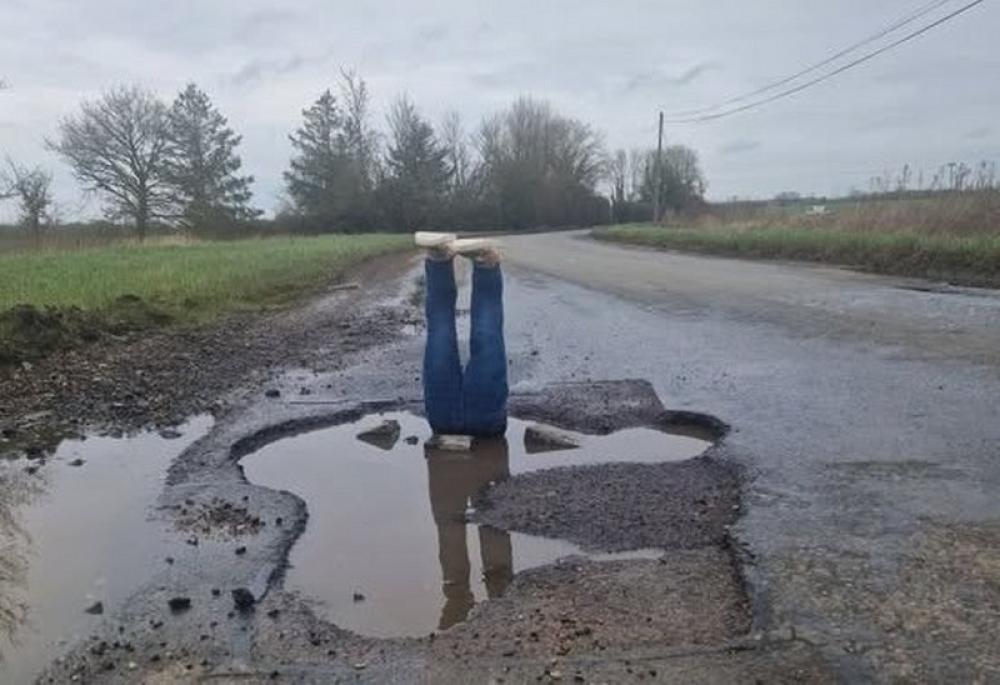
pixel 123 384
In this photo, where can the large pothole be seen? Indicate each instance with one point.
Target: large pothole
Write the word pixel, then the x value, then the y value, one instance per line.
pixel 390 549
pixel 76 539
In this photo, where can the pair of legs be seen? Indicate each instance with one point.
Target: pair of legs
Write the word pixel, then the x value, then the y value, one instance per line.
pixel 472 401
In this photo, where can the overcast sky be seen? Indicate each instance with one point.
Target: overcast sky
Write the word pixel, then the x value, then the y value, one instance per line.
pixel 613 64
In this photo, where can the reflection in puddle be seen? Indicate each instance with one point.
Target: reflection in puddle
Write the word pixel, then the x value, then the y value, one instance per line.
pixel 73 533
pixel 387 551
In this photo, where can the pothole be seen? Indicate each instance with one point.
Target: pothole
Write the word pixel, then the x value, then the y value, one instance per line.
pixel 76 540
pixel 389 549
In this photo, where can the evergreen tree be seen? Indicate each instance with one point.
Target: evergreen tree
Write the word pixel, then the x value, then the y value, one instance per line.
pixel 320 179
pixel 202 166
pixel 418 171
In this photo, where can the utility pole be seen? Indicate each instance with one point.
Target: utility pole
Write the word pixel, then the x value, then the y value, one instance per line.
pixel 657 173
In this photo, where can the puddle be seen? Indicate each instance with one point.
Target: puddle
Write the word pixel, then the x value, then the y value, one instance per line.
pixel 74 535
pixel 387 551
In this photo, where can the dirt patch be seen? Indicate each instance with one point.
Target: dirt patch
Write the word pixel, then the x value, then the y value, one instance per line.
pixel 664 506
pixel 142 378
pixel 29 333
pixel 218 517
pixel 937 611
pixel 765 662
pixel 584 607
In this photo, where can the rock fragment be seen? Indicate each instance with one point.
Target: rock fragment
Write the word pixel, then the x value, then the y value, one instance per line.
pixel 179 605
pixel 384 436
pixel 243 599
pixel 539 438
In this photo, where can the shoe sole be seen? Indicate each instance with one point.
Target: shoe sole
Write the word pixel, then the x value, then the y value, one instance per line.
pixel 465 246
pixel 430 240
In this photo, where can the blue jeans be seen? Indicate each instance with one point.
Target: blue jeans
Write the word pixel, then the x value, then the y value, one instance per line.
pixel 473 402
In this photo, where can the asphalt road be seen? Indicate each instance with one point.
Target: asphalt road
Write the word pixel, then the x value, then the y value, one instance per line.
pixel 864 421
pixel 865 408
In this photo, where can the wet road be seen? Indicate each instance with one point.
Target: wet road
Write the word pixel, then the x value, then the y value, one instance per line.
pixel 865 409
pixel 863 412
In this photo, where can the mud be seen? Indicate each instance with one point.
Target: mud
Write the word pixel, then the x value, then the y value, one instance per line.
pixel 283 633
pixel 579 606
pixel 77 541
pixel 387 550
pixel 218 517
pixel 136 378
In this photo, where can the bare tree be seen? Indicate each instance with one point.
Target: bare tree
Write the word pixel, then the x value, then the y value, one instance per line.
pixel 682 183
pixel 32 189
pixel 360 138
pixel 116 146
pixel 541 167
pixel 455 141
pixel 360 146
pixel 637 167
pixel 618 170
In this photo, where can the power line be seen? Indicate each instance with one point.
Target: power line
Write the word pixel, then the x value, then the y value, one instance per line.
pixel 908 19
pixel 850 65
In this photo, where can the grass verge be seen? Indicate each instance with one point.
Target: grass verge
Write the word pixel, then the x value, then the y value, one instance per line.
pixel 965 260
pixel 56 299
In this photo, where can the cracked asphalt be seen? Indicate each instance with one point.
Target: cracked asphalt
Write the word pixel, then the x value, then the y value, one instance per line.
pixel 866 411
pixel 862 421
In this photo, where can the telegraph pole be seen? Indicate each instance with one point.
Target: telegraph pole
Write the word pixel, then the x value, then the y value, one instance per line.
pixel 657 172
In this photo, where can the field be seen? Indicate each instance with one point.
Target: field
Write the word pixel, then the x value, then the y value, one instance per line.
pixel 955 239
pixel 79 293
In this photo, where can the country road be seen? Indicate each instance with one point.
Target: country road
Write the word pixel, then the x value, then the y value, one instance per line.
pixel 868 412
pixel 863 409
pixel 845 528
pixel 810 301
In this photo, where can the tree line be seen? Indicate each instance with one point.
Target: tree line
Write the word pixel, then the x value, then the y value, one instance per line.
pixel 525 166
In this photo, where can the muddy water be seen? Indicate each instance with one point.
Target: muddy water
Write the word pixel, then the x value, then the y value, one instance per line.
pixel 387 551
pixel 74 535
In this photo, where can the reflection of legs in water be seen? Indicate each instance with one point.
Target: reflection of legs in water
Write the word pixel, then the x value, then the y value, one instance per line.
pixel 498 570
pixel 453 479
pixel 454 556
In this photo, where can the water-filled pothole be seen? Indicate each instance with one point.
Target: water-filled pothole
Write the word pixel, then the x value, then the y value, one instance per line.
pixel 76 540
pixel 387 550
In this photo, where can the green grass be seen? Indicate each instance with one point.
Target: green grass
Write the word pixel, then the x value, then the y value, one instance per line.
pixel 75 295
pixel 206 277
pixel 967 260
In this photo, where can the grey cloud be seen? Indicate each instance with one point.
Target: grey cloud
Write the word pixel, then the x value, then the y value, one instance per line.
pixel 268 18
pixel 737 147
pixel 658 79
pixel 925 103
pixel 437 32
pixel 258 69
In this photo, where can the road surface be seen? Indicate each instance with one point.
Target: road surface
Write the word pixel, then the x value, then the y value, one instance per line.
pixel 866 409
pixel 846 528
